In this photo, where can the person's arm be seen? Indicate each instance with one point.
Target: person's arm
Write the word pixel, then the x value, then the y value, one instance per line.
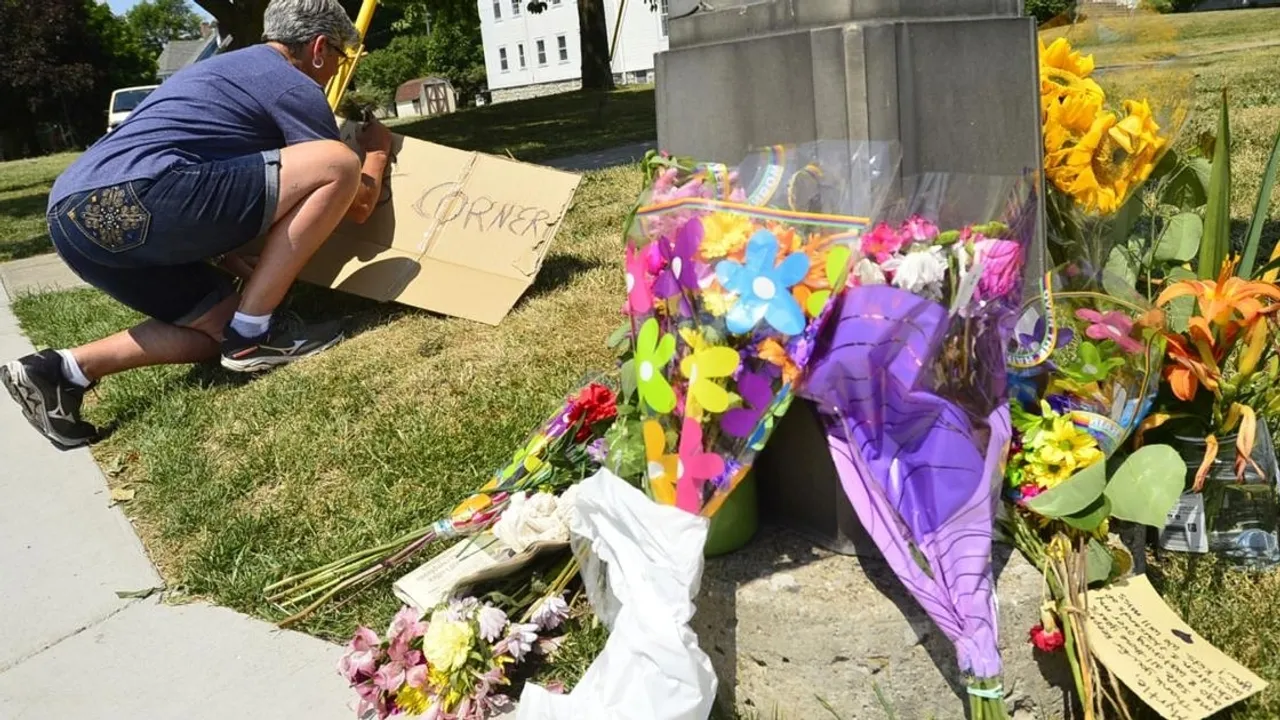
pixel 375 139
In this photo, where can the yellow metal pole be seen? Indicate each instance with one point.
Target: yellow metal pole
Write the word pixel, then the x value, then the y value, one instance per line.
pixel 338 85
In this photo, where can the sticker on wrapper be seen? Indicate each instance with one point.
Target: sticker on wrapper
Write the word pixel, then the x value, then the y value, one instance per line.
pixel 1106 431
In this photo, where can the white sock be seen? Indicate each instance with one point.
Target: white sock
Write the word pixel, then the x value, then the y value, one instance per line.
pixel 250 326
pixel 71 369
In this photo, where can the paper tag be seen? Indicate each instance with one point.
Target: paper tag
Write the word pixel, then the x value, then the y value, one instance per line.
pixel 1159 657
pixel 431 584
pixel 1184 530
pixel 967 287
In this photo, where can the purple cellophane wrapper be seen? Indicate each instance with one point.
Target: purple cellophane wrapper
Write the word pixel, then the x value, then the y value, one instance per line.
pixel 922 473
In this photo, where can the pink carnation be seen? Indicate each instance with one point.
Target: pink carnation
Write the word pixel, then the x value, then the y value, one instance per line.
pixel 882 242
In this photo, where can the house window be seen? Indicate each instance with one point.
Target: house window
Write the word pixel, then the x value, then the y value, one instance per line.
pixel 562 43
pixel 663 15
pixel 502 59
pixel 497 9
pixel 642 76
pixel 520 53
pixel 542 53
pixel 515 8
pixel 555 2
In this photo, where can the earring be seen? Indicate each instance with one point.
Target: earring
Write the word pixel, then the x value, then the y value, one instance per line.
pixel 317 62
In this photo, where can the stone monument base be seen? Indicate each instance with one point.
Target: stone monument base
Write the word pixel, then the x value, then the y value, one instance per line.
pixel 788 626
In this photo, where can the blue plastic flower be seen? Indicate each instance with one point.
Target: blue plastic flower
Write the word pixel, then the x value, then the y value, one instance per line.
pixel 764 289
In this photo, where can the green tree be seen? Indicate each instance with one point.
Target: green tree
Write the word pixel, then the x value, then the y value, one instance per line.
pixel 156 22
pixel 1045 10
pixel 380 72
pixel 241 19
pixel 64 57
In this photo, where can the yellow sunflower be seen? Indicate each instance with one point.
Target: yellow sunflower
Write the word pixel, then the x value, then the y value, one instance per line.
pixel 1113 156
pixel 1065 122
pixel 1064 72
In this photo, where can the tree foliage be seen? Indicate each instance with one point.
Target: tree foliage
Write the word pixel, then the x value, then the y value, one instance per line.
pixel 452 49
pixel 156 22
pixel 64 58
pixel 1045 10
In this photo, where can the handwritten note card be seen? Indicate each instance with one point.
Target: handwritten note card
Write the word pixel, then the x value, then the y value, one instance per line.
pixel 1158 656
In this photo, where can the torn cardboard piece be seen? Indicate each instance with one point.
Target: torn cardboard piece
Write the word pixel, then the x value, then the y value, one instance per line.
pixel 1159 657
pixel 456 232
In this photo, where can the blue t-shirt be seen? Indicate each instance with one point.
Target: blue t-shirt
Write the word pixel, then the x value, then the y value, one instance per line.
pixel 240 103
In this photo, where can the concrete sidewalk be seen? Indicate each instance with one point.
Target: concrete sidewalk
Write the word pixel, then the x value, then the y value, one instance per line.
pixel 72 649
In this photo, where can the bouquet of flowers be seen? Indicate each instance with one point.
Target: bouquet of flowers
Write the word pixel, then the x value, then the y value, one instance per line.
pixel 1098 151
pixel 910 381
pixel 453 664
pixel 729 279
pixel 553 458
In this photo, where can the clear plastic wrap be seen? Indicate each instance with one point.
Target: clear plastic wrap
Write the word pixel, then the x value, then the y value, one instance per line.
pixel 730 275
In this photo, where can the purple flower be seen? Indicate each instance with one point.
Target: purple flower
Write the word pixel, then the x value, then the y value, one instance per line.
pixel 492 622
pixel 462 610
pixel 598 451
pixel 681 270
pixel 361 658
pixel 1001 267
pixel 390 677
pixel 919 230
pixel 550 612
pixel 520 642
pixel 406 624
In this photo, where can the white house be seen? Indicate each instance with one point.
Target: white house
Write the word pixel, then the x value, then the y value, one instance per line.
pixel 528 55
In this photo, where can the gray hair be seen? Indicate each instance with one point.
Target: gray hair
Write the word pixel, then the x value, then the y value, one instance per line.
pixel 298 22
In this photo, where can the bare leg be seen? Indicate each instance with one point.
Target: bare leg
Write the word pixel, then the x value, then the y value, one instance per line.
pixel 318 181
pixel 156 343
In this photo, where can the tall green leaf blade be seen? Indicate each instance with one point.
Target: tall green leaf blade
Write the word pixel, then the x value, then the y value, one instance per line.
pixel 1147 486
pixel 1217 216
pixel 1260 211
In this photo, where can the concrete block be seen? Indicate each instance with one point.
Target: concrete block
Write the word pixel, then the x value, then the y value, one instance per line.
pixel 63 551
pixel 786 624
pixel 194 662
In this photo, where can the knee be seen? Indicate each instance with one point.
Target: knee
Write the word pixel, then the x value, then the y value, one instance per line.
pixel 342 163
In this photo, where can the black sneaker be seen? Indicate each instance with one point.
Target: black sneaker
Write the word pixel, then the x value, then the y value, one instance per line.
pixel 287 340
pixel 50 402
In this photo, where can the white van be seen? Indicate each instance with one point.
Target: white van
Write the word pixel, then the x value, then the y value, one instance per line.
pixel 123 101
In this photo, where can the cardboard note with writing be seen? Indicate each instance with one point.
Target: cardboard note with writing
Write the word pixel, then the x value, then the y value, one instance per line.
pixel 459 233
pixel 1159 657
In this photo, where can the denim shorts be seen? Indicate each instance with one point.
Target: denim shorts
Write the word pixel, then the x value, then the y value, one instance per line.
pixel 146 243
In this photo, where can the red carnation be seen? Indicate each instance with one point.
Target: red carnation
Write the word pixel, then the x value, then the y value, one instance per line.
pixel 1051 641
pixel 592 406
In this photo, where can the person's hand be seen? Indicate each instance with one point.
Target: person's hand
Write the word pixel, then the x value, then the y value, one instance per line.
pixel 239 265
pixel 375 137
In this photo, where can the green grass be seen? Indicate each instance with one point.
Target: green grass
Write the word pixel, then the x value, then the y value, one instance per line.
pixel 24 192
pixel 531 130
pixel 240 484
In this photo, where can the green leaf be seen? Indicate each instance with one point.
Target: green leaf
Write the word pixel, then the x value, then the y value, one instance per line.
pixel 1147 486
pixel 1217 216
pixel 1260 210
pixel 1178 312
pixel 1098 562
pixel 628 372
pixel 1119 277
pixel 1074 495
pixel 1090 518
pixel 1189 187
pixel 1181 238
pixel 621 338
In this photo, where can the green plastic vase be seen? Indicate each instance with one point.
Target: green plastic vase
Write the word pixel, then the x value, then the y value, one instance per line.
pixel 735 524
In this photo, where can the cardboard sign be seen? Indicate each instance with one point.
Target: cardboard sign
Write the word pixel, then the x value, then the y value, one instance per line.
pixel 1159 657
pixel 458 233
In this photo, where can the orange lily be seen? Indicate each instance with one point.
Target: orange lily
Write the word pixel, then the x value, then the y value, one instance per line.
pixel 1219 301
pixel 1188 371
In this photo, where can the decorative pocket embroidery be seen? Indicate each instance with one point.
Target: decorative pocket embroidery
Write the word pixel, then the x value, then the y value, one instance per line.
pixel 112 218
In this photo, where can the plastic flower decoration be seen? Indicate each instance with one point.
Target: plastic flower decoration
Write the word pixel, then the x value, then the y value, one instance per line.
pixel 653 351
pixel 696 466
pixel 663 469
pixel 702 368
pixel 639 292
pixel 681 271
pixel 763 288
pixel 757 394
pixel 724 234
